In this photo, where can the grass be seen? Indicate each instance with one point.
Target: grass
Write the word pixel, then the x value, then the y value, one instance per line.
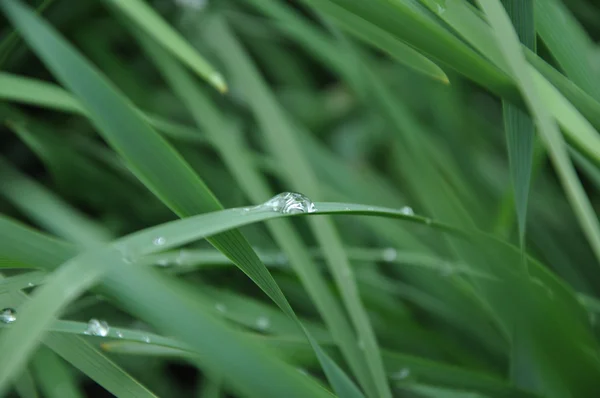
pixel 450 148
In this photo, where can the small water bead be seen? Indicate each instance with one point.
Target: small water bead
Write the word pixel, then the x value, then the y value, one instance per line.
pixel 8 315
pixel 407 211
pixel 119 334
pixel 402 374
pixel 389 254
pixel 159 241
pixel 147 339
pixel 97 328
pixel 163 262
pixel 30 284
pixel 290 203
pixel 221 307
pixel 263 323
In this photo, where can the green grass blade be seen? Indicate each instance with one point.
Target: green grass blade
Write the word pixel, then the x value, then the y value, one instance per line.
pixel 519 126
pixel 25 386
pixel 371 34
pixel 45 208
pixel 141 14
pixel 88 359
pixel 282 140
pixel 569 44
pixel 404 21
pixel 232 151
pixel 29 91
pixel 460 16
pixel 54 378
pixel 508 43
pixel 150 157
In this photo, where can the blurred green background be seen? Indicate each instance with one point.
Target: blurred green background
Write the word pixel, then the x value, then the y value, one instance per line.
pixel 395 103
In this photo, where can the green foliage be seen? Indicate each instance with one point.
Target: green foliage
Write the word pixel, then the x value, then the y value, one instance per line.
pixel 444 256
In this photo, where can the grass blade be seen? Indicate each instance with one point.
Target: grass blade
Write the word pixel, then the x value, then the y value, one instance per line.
pixel 569 44
pixel 150 157
pixel 257 188
pixel 508 43
pixel 519 126
pixel 279 132
pixel 153 25
pixel 54 378
pixel 29 91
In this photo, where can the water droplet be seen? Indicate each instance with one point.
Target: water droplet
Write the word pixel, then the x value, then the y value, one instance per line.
pixel 163 262
pixel 30 284
pixel 402 373
pixel 440 9
pixel 97 328
pixel 119 334
pixel 389 254
pixel 370 208
pixel 221 307
pixel 8 315
pixel 159 241
pixel 289 203
pixel 263 323
pixel 407 211
pixel 146 339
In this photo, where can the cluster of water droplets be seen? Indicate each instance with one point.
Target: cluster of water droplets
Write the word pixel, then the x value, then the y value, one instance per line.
pixel 8 315
pixel 286 203
pixel 97 328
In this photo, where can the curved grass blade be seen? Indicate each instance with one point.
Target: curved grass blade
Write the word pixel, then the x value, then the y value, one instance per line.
pixel 45 208
pixel 54 378
pixel 175 233
pixel 30 91
pixel 282 141
pixel 461 17
pixel 507 40
pixel 569 44
pixel 518 125
pixel 89 360
pixel 257 188
pixel 150 157
pixel 365 31
pixel 154 26
pixel 10 41
pixel 403 21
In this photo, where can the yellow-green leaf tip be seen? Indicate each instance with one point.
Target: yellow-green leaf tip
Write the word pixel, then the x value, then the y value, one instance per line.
pixel 217 80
